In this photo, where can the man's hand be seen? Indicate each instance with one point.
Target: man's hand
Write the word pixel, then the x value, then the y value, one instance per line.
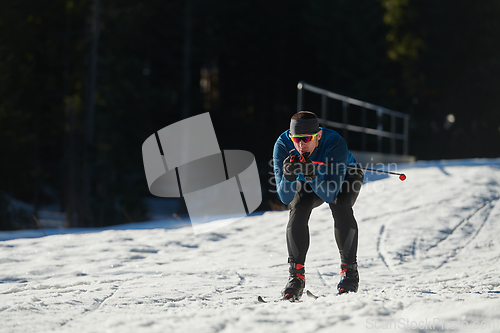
pixel 291 167
pixel 308 168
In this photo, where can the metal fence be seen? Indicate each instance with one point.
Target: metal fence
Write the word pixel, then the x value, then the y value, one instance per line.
pixel 379 132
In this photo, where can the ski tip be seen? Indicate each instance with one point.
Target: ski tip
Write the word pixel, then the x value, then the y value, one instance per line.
pixel 310 294
pixel 261 300
pixel 290 298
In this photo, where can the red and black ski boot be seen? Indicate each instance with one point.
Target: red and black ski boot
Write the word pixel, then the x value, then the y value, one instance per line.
pixel 296 283
pixel 349 278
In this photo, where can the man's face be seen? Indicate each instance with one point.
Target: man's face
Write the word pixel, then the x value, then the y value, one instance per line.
pixel 303 147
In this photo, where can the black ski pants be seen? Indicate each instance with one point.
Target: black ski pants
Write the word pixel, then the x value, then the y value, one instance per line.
pixel 345 226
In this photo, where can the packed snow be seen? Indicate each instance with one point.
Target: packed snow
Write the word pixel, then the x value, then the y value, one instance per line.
pixel 429 252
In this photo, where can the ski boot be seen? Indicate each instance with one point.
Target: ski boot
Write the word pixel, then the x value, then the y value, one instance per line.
pixel 349 278
pixel 296 283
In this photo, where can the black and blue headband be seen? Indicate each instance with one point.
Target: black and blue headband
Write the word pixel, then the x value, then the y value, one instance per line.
pixel 304 126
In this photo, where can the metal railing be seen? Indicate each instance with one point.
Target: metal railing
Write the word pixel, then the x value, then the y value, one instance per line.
pixel 346 101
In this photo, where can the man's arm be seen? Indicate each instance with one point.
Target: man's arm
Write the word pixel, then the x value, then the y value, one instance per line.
pixel 285 189
pixel 331 176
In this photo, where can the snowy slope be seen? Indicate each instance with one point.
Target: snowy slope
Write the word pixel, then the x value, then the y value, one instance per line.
pixel 429 254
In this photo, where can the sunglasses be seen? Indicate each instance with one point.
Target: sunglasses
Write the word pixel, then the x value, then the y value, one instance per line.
pixel 306 138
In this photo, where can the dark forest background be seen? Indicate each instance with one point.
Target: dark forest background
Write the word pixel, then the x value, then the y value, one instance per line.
pixel 84 83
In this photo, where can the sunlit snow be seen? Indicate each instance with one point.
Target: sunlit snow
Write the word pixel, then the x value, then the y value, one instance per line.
pixel 429 252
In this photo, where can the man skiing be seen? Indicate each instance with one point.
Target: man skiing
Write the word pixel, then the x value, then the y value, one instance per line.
pixel 310 167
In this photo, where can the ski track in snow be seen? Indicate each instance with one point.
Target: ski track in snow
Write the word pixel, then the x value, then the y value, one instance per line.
pixel 428 255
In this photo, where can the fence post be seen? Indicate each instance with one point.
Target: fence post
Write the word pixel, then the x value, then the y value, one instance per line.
pixel 363 123
pixel 393 132
pixel 345 118
pixel 406 135
pixel 380 128
pixel 299 96
pixel 323 108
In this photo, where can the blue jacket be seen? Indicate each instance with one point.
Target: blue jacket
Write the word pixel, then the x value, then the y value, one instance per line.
pixel 332 151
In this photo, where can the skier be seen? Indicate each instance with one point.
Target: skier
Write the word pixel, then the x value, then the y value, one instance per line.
pixel 310 167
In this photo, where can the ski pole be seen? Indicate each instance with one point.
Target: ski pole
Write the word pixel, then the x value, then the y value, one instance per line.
pixel 402 176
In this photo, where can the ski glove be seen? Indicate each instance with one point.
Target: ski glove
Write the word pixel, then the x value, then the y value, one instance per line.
pixel 308 168
pixel 291 167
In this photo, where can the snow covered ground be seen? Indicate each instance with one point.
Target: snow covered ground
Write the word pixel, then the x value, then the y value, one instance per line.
pixel 429 253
